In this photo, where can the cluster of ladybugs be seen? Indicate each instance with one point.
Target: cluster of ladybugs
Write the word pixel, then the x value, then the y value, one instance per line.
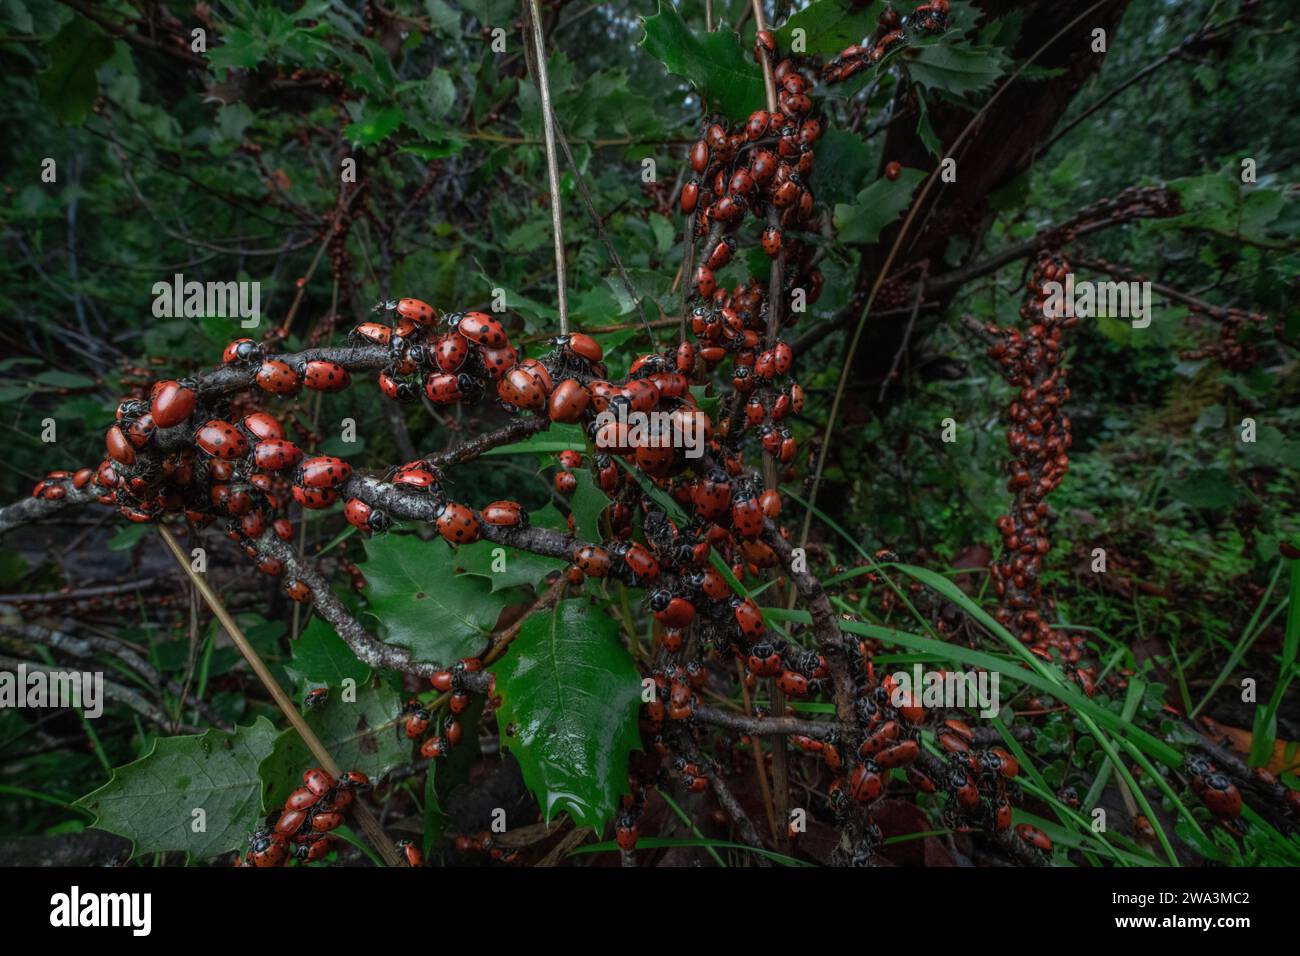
pixel 416 718
pixel 1039 438
pixel 931 17
pixel 301 829
pixel 763 167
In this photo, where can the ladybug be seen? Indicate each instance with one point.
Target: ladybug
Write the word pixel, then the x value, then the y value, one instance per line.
pixel 445 388
pixel 268 849
pixel 482 329
pixel 899 754
pixel 625 833
pixel 373 332
pixel 522 389
pixel 592 561
pixel 581 345
pixel 322 821
pixel 300 592
pixel 416 311
pixel 354 780
pixel 963 788
pixel 793 684
pixel 865 782
pixel 499 361
pixel 893 169
pixel 323 376
pixel 641 563
pixel 316 697
pixel 726 246
pixel 1033 836
pixel 313 849
pixel 1221 796
pixel 290 821
pixel 570 459
pixel 569 401
pixel 747 516
pixel 417 723
pixel 314 497
pixel 879 739
pixel 506 514
pixel 275 454
pixel 671 611
pixel 705 283
pixel 457 523
pixel 324 471
pixel 277 377
pixel 451 352
pixel 748 617
pixel 920 780
pixel 459 702
pixel 690 197
pixel 172 403
pixel 361 515
pixel 221 440
pixel 417 475
pixel 394 388
pixel 712 496
pixel 434 747
pixel 411 853
pixel 262 426
pixel 242 350
pixel 317 781
pixel 607 474
pixel 302 799
pixel 118 447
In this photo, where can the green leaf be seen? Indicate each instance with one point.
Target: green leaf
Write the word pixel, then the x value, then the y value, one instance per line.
pixel 843 162
pixel 128 537
pixel 360 735
pixel 829 26
pixel 569 697
pixel 726 77
pixel 1208 488
pixel 521 567
pixel 876 207
pixel 152 801
pixel 69 87
pixel 322 657
pixel 955 68
pixel 238 48
pixel 375 128
pixel 552 441
pixel 588 503
pixel 423 604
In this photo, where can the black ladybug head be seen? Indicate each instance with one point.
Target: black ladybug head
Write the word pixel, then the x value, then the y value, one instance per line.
pixel 1217 781
pixel 453 319
pixel 379 520
pixel 660 598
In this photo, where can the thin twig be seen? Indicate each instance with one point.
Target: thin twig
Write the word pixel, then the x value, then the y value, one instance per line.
pixel 552 164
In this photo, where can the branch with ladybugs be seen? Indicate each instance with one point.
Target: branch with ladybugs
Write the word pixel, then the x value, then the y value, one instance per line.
pixel 697 533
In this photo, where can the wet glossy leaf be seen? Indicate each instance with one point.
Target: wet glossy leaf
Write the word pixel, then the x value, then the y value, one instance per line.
pixel 570 694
